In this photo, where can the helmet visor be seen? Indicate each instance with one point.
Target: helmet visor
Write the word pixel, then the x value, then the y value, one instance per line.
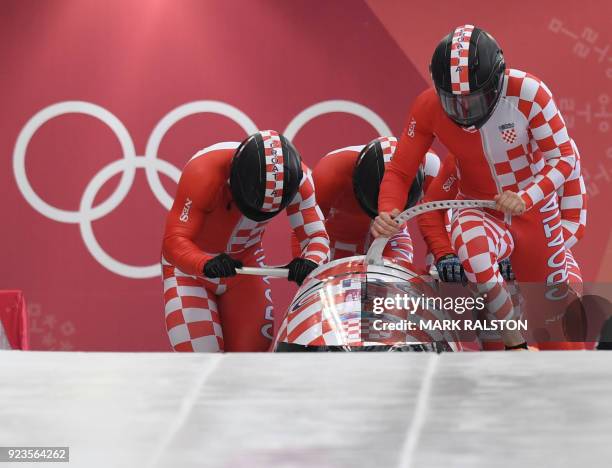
pixel 469 109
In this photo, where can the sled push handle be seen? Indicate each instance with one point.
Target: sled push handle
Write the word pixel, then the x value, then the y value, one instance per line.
pixel 374 255
pixel 275 272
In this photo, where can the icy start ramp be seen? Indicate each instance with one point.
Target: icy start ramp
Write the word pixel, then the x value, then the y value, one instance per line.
pixel 334 410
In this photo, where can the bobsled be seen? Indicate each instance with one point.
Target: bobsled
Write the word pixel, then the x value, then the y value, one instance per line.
pixel 338 307
pixel 335 310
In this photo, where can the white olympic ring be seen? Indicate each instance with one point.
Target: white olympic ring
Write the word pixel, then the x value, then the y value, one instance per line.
pixel 152 165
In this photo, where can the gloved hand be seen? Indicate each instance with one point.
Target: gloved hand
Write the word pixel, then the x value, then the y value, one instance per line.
pixel 221 266
pixel 450 269
pixel 299 268
pixel 505 268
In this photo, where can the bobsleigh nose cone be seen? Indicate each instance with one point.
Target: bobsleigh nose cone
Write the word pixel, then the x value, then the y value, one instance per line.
pixel 333 307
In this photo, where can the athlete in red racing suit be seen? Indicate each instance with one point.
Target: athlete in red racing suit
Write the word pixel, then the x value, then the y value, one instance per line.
pixel 572 198
pixel 226 313
pixel 490 128
pixel 346 222
pixel 573 206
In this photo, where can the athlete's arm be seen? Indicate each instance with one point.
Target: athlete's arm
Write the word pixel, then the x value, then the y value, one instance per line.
pixel 573 204
pixel 550 135
pixel 412 147
pixel 197 190
pixel 325 185
pixel 415 140
pixel 307 221
pixel 326 181
pixel 432 224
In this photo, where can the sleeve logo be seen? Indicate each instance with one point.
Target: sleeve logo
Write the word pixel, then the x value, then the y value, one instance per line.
pixel 411 128
pixel 185 214
pixel 449 183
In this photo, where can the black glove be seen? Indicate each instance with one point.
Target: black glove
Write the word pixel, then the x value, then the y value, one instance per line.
pixel 221 266
pixel 450 269
pixel 505 268
pixel 299 268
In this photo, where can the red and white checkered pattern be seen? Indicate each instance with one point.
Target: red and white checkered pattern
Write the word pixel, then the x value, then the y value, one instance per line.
pixel 572 197
pixel 388 145
pixel 304 322
pixel 547 129
pixel 192 318
pixel 399 248
pixel 460 50
pixel 207 315
pixel 273 196
pixel 481 241
pixel 516 172
pixel 246 234
pixel 327 310
pixel 307 221
pixel 573 204
pixel 509 135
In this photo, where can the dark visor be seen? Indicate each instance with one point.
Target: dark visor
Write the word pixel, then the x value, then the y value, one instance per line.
pixel 468 109
pixel 476 107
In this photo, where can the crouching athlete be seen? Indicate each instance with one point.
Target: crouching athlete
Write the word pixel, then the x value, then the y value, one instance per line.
pixel 347 183
pixel 226 195
pixel 572 200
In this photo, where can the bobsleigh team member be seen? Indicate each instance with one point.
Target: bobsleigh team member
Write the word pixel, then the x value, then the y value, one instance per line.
pixel 571 196
pixel 226 195
pixel 347 183
pixel 489 117
pixel 572 199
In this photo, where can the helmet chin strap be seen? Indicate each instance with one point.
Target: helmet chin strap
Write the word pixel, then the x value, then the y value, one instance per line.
pixel 374 255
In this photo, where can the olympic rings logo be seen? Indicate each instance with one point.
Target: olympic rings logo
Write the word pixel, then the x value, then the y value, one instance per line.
pixel 87 212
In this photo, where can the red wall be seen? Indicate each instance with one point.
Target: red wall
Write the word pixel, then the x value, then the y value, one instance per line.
pixel 134 62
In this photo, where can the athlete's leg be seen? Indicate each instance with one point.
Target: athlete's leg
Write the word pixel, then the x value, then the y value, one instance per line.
pixel 192 319
pixel 539 245
pixel 539 259
pixel 574 274
pixel 492 340
pixel 246 309
pixel 481 241
pixel 247 314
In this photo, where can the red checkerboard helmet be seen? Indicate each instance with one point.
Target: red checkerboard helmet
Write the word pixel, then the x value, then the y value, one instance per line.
pixel 265 175
pixel 467 70
pixel 368 174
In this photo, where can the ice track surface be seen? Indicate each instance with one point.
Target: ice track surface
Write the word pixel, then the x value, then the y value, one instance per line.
pixel 514 409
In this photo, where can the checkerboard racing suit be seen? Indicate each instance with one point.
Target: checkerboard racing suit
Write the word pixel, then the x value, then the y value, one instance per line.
pixel 235 313
pixel 496 157
pixel 347 224
pixel 572 199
